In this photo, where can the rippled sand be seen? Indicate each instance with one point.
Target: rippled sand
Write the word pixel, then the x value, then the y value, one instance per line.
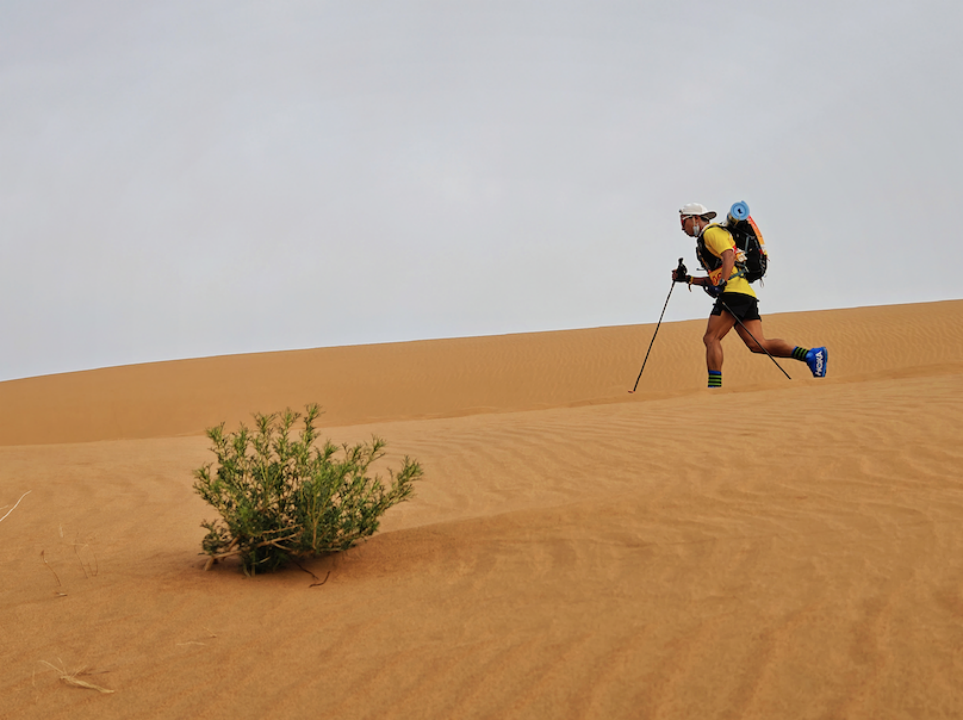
pixel 776 549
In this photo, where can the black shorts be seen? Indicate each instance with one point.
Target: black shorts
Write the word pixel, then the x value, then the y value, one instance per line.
pixel 744 307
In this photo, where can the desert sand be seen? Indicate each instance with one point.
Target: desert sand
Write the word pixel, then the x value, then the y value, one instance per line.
pixel 775 549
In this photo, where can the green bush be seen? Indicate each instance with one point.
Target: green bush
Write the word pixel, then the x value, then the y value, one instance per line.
pixel 283 499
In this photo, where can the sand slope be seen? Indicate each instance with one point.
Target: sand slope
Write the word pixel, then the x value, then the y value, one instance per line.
pixel 774 550
pixel 457 377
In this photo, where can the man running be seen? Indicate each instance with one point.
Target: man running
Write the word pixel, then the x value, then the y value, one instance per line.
pixel 734 296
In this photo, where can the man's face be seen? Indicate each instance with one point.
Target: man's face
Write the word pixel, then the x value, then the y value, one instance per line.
pixel 689 224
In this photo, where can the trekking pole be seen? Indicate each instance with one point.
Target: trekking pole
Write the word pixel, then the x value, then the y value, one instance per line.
pixel 754 339
pixel 681 272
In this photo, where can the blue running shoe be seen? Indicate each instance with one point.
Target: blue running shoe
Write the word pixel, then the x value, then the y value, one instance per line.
pixel 817 359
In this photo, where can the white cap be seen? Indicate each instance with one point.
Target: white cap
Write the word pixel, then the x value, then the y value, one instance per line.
pixel 698 210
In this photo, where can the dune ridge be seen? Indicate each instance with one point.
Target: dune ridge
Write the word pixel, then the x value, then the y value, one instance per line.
pixel 774 550
pixel 443 378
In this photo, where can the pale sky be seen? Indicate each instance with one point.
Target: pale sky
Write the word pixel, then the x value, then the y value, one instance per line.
pixel 198 177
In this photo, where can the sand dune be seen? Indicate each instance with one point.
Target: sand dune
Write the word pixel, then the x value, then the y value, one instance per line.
pixel 777 549
pixel 446 378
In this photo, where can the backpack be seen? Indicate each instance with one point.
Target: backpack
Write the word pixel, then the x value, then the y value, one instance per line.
pixel 748 238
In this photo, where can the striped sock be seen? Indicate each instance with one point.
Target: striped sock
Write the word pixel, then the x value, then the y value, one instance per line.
pixel 799 353
pixel 715 378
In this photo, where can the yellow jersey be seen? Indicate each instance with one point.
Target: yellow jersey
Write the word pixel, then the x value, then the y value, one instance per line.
pixel 716 240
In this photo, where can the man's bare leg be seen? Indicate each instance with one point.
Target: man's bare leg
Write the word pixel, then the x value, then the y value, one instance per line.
pixel 718 327
pixel 775 346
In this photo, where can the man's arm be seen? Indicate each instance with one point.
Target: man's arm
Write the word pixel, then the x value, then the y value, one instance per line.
pixel 728 264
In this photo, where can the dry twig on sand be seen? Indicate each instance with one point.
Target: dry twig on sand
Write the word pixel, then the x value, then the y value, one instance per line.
pixel 90 568
pixel 58 593
pixel 15 506
pixel 318 582
pixel 73 680
pixel 198 642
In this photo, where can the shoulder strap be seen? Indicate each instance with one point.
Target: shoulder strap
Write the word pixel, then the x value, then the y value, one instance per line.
pixel 707 260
